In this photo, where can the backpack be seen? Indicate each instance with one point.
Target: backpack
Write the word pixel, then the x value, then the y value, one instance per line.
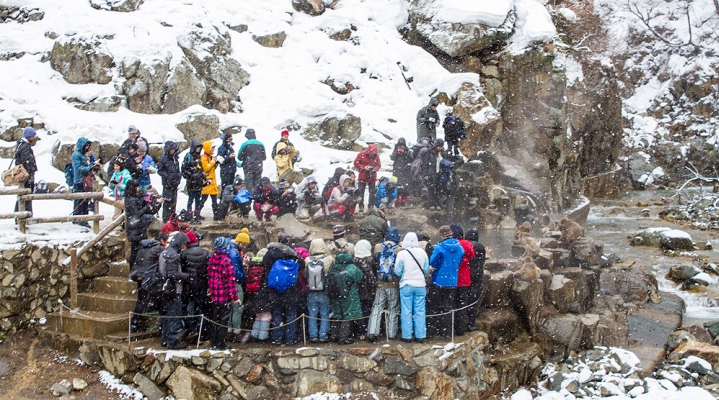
pixel 338 287
pixel 70 175
pixel 254 277
pixel 315 274
pixel 385 262
pixel 283 275
pixel 41 187
pixel 154 284
pixel 243 196
pixel 327 194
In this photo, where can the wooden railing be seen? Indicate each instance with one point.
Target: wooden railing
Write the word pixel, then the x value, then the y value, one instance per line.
pixel 26 217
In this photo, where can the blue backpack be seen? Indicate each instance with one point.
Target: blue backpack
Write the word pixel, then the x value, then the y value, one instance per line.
pixel 283 275
pixel 243 196
pixel 70 175
pixel 385 260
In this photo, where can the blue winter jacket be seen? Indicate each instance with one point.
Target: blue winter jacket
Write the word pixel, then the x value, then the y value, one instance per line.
pixel 382 193
pixel 146 163
pixel 80 164
pixel 236 258
pixel 445 260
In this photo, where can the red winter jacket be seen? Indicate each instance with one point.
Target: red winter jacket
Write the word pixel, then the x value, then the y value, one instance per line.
pixel 463 275
pixel 363 160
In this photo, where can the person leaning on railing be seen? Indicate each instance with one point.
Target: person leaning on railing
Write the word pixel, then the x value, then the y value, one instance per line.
pixel 139 211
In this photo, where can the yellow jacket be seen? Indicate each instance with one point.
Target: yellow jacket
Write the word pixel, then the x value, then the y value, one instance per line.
pixel 209 167
pixel 284 161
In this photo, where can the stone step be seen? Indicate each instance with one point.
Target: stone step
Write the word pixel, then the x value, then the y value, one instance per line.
pixel 120 268
pixel 121 337
pixel 91 324
pixel 106 302
pixel 114 285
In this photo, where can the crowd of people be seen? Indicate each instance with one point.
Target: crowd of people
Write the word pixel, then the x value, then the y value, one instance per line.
pixel 343 289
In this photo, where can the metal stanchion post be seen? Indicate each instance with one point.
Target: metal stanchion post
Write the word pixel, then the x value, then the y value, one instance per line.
pixel 452 326
pixel 129 331
pixel 304 331
pixel 199 334
pixel 386 324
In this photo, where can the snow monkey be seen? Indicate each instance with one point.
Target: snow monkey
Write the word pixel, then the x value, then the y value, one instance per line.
pixel 531 246
pixel 522 231
pixel 571 231
pixel 529 270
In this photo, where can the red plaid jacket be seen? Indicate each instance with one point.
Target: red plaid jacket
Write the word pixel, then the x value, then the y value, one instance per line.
pixel 221 278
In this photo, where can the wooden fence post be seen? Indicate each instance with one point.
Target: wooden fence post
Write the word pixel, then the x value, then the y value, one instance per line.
pixel 96 211
pixel 21 207
pixel 73 278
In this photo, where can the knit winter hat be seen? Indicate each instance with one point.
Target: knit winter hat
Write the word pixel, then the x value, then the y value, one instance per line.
pixel 338 231
pixel 184 216
pixel 29 132
pixel 285 132
pixel 132 129
pixel 250 134
pixel 445 232
pixel 457 231
pixel 142 147
pixel 265 181
pixel 222 243
pixel 243 236
pixel 191 237
pixel 284 237
pixel 393 179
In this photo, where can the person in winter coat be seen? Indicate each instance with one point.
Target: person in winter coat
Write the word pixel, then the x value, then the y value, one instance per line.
pixel 341 202
pixel 285 139
pixel 420 154
pixel 177 222
pixel 435 175
pixel 464 282
pixel 441 292
pixel 285 306
pixel 411 266
pixel 209 165
pixel 236 252
pixel 118 182
pixel 476 271
pixel 402 157
pixel 134 138
pixel 250 158
pixel 226 159
pixel 168 167
pixel 148 254
pixel 146 164
pixel 194 298
pixel 387 293
pixel 229 202
pixel 194 174
pixel 171 267
pixel 348 308
pixel 286 200
pixel 386 192
pixel 283 161
pixel 257 305
pixel 309 198
pixel 222 291
pixel 368 164
pixel 428 120
pixel 81 167
pixel 339 243
pixel 264 196
pixel 139 213
pixel 318 304
pixel 453 133
pixel 373 227
pixel 26 157
pixel 367 263
pixel 333 181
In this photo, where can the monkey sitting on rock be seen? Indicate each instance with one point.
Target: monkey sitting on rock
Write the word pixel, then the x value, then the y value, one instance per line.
pixel 529 270
pixel 571 231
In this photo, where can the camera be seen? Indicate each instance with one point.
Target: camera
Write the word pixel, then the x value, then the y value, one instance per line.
pixel 371 173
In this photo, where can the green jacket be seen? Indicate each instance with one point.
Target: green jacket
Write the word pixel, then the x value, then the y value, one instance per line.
pixel 373 228
pixel 350 307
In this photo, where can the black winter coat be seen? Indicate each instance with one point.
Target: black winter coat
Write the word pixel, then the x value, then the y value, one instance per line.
pixel 170 264
pixel 192 168
pixel 252 154
pixel 194 262
pixel 368 285
pixel 266 298
pixel 402 157
pixel 139 217
pixel 25 156
pixel 148 254
pixel 476 265
pixel 168 167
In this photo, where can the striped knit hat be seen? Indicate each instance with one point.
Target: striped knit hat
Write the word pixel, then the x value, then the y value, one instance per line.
pixel 222 243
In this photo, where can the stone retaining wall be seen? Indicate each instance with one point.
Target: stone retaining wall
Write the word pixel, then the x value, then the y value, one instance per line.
pixel 404 371
pixel 33 278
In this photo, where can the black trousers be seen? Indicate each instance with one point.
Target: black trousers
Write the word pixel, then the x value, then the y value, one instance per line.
pixel 461 317
pixel 140 306
pixel 372 193
pixel 194 302
pixel 134 248
pixel 440 300
pixel 220 315
pixel 30 184
pixel 474 292
pixel 436 189
pixel 170 204
pixel 172 327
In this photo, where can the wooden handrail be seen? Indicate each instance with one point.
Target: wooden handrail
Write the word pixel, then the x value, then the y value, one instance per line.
pixel 62 196
pixel 114 224
pixel 68 218
pixel 17 191
pixel 16 214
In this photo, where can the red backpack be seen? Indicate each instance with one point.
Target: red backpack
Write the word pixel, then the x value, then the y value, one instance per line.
pixel 254 276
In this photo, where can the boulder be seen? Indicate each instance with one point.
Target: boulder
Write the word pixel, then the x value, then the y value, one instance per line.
pixel 145 85
pixel 456 39
pixel 582 293
pixel 116 361
pixel 20 14
pixel 192 384
pixel 13 133
pixel 648 237
pixel 528 300
pixel 680 273
pixel 634 283
pixel 497 289
pixel 705 351
pixel 147 387
pixel 310 382
pixel 290 225
pixel 712 328
pixel 482 121
pixel 560 334
pixel 561 293
pixel 184 89
pixel 82 60
pixel 274 40
pixel 117 5
pixel 334 132
pixel 700 333
pixel 434 385
pixel 62 152
pixel 101 104
pixel 677 338
pixel 311 7
pixel 200 127
pixel 674 239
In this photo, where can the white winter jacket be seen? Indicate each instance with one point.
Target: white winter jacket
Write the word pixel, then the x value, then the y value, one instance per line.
pixel 410 272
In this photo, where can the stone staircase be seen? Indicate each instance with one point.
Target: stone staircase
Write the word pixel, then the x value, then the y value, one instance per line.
pixel 102 312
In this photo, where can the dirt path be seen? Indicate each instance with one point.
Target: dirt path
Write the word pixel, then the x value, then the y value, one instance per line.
pixel 29 368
